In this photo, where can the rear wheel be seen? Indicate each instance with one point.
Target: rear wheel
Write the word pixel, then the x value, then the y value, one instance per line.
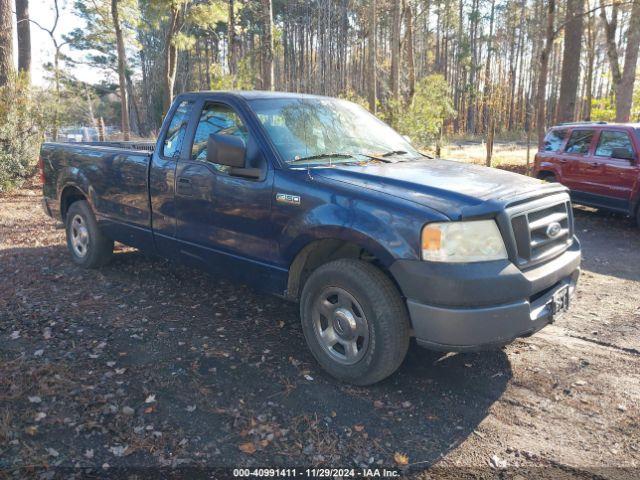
pixel 88 246
pixel 355 321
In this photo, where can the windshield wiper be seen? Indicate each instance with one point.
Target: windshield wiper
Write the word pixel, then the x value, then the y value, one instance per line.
pixel 322 155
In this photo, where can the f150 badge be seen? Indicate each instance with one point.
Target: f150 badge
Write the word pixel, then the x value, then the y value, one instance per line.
pixel 288 199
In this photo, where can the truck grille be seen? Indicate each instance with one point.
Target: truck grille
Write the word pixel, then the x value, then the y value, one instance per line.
pixel 542 233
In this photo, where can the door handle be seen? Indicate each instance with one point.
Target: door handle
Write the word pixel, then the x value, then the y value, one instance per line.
pixel 563 160
pixel 184 186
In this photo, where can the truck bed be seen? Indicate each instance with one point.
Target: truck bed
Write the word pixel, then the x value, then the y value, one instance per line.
pixel 113 176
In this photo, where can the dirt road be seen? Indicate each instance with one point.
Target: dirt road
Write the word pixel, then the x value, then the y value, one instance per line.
pixel 147 364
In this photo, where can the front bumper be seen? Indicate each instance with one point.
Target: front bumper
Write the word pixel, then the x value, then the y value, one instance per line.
pixel 461 307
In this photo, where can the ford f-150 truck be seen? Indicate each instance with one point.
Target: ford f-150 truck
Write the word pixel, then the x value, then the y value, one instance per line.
pixel 316 200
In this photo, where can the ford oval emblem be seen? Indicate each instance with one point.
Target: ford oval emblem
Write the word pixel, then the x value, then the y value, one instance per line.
pixel 553 230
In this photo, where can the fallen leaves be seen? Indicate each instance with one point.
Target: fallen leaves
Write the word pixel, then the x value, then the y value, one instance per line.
pixel 497 462
pixel 52 452
pixel 248 448
pixel 119 450
pixel 401 459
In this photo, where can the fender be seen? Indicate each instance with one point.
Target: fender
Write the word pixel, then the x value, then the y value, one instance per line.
pixel 375 233
pixel 74 177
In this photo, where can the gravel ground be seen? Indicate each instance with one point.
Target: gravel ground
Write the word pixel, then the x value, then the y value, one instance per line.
pixel 147 364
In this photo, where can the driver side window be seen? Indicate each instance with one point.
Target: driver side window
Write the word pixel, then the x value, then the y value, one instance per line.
pixel 216 118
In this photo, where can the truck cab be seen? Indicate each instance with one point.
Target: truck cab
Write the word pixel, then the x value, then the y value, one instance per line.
pixel 598 162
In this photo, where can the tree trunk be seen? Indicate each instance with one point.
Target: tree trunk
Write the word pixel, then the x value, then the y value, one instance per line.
pixel 372 57
pixel 610 38
pixel 411 71
pixel 231 40
pixel 473 40
pixel 56 110
pixel 122 65
pixel 24 36
pixel 267 47
pixel 591 55
pixel 624 88
pixel 395 50
pixel 6 42
pixel 487 94
pixel 170 59
pixel 571 60
pixel 543 72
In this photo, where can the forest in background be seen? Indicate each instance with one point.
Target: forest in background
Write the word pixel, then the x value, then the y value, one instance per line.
pixel 428 67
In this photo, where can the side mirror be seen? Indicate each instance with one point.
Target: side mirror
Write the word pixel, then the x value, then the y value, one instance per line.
pixel 226 150
pixel 623 153
pixel 231 151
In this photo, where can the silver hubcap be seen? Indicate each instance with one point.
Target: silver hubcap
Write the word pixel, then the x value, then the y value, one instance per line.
pixel 79 236
pixel 340 325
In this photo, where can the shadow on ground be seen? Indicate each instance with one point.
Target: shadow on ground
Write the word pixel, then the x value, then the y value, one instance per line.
pixel 614 237
pixel 147 363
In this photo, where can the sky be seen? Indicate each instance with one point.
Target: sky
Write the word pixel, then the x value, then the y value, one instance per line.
pixel 41 46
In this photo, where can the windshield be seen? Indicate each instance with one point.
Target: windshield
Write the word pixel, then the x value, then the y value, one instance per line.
pixel 324 130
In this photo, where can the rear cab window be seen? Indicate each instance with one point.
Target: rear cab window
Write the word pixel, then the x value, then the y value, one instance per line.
pixel 554 140
pixel 579 142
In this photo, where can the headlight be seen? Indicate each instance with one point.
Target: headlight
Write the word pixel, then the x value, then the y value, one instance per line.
pixel 472 241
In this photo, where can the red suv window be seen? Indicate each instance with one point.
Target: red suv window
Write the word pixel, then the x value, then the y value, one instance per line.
pixel 579 142
pixel 610 139
pixel 554 140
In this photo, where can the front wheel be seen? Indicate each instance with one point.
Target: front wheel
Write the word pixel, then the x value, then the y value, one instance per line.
pixel 548 177
pixel 88 246
pixel 355 321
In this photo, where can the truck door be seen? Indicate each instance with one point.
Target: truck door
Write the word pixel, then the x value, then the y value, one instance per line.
pixel 617 175
pixel 224 220
pixel 162 176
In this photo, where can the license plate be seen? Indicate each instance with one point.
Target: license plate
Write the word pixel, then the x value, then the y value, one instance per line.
pixel 560 301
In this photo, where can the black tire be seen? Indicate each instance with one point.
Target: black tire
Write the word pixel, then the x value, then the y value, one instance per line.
pixel 548 177
pixel 383 310
pixel 93 250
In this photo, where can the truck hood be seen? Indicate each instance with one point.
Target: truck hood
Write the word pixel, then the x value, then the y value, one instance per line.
pixel 455 189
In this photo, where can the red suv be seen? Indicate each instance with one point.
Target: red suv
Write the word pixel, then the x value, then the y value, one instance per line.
pixel 598 162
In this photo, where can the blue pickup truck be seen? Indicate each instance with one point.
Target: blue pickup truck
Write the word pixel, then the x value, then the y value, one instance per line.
pixel 316 200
